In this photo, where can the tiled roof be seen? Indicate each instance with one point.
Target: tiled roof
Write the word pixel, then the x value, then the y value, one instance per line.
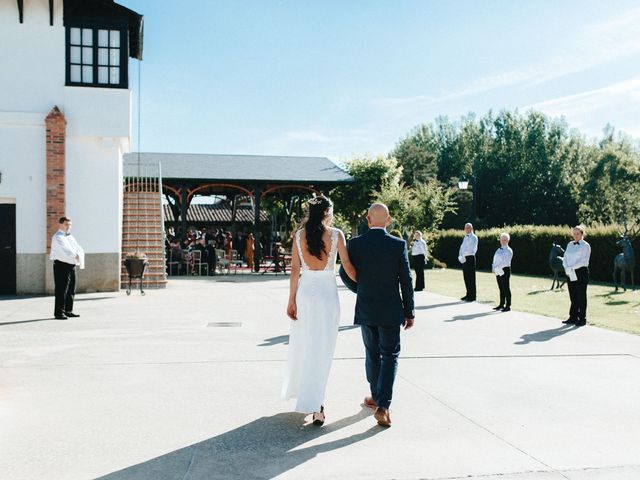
pixel 201 213
pixel 230 168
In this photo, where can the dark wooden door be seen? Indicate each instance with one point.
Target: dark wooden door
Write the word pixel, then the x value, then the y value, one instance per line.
pixel 7 249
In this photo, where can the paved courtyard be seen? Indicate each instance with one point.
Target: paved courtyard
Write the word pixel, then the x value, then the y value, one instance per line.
pixel 184 383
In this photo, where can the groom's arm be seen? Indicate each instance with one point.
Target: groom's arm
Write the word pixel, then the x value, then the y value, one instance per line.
pixel 406 285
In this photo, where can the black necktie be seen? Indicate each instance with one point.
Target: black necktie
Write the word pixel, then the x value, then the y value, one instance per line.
pixel 576 243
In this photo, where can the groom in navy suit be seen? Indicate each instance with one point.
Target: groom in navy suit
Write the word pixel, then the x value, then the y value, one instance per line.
pixel 382 268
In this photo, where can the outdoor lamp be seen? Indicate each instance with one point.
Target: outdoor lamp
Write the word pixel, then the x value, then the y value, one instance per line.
pixel 463 183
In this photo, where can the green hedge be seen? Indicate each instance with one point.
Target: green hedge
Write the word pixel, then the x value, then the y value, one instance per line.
pixel 531 246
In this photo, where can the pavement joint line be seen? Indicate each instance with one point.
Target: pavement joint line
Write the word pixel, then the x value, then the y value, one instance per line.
pixel 479 425
pixel 489 476
pixel 280 360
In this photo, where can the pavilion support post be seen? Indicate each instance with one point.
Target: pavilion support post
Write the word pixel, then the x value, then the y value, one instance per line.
pixel 184 206
pixel 257 253
pixel 234 205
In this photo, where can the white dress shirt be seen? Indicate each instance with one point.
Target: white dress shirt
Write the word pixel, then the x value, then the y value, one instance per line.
pixel 469 247
pixel 65 248
pixel 419 248
pixel 576 256
pixel 501 260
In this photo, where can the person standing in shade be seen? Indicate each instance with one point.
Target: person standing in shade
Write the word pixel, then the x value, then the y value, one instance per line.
pixel 467 257
pixel 250 246
pixel 66 253
pixel 501 266
pixel 418 259
pixel 576 266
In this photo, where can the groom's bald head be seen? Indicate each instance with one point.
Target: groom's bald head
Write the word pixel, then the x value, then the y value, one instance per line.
pixel 378 215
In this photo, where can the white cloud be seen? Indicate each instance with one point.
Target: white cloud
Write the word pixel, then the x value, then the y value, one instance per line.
pixel 592 109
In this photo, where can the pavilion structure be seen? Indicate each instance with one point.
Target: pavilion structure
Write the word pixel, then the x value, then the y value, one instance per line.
pixel 185 176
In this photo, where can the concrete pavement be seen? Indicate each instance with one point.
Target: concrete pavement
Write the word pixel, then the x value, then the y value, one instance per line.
pixel 184 384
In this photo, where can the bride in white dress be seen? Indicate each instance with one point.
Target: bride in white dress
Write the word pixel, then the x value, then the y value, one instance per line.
pixel 314 307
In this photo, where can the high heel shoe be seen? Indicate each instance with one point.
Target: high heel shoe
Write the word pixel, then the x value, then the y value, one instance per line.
pixel 318 417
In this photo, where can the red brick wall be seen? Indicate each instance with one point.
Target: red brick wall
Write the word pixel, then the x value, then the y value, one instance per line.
pixel 56 131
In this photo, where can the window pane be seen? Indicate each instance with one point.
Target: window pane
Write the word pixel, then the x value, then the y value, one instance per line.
pixel 103 56
pixel 87 55
pixel 75 36
pixel 75 73
pixel 114 40
pixel 114 55
pixel 75 55
pixel 114 75
pixel 87 74
pixel 87 36
pixel 103 75
pixel 103 38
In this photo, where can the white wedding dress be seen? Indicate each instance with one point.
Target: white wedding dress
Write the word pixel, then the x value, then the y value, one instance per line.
pixel 312 340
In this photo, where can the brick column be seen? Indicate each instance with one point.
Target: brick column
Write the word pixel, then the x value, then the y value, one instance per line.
pixel 56 131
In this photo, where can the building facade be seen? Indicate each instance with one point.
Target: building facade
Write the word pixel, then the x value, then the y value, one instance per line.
pixel 65 124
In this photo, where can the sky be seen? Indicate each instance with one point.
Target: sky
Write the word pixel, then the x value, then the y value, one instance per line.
pixel 350 78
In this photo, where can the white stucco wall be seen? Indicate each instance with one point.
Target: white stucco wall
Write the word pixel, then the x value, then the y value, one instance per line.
pixel 93 193
pixel 23 167
pixel 32 82
pixel 32 55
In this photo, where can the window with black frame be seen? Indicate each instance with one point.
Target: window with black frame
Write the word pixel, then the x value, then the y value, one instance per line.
pixel 96 57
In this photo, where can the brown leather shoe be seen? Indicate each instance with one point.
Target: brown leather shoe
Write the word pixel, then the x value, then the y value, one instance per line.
pixel 370 402
pixel 383 417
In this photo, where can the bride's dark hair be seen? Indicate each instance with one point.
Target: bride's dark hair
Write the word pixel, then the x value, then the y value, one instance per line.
pixel 318 208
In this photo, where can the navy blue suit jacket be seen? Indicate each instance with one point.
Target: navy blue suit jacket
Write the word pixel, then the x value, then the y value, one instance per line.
pixel 382 268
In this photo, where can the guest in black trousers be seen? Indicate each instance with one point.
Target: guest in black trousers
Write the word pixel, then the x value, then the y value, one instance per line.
pixel 66 254
pixel 418 259
pixel 576 266
pixel 467 257
pixel 502 268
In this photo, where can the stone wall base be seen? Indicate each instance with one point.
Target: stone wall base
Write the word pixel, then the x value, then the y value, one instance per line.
pixel 35 273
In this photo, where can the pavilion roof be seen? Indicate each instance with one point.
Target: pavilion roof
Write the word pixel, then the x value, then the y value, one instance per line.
pixel 240 168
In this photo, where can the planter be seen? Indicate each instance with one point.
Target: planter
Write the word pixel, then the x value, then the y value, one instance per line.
pixel 135 266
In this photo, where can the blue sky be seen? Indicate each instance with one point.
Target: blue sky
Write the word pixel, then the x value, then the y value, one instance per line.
pixel 346 78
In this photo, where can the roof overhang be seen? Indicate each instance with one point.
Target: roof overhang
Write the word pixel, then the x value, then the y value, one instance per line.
pixel 101 10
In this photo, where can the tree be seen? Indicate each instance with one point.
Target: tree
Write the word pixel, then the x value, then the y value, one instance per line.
pixel 612 193
pixel 422 206
pixel 351 201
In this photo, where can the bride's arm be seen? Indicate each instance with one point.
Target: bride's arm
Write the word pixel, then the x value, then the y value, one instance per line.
pixel 344 256
pixel 292 308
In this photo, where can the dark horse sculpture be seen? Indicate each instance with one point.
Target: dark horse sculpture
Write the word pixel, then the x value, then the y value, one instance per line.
pixel 555 263
pixel 624 262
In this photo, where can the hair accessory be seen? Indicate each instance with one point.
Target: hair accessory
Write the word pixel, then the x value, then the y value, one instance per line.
pixel 315 201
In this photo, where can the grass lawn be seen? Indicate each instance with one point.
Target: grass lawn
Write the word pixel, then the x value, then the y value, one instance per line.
pixel 617 311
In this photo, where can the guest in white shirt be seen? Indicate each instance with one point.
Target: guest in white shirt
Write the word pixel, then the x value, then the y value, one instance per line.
pixel 576 266
pixel 501 266
pixel 467 257
pixel 66 254
pixel 418 259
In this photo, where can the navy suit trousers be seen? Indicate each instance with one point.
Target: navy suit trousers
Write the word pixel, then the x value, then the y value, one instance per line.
pixel 382 345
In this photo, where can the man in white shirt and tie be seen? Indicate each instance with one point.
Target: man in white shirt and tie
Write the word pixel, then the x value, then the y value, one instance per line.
pixel 467 257
pixel 66 254
pixel 576 266
pixel 418 259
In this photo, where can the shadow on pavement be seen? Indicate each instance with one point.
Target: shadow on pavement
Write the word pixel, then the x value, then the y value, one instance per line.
pixel 545 335
pixel 438 305
pixel 91 299
pixel 262 449
pixel 472 316
pixel 31 321
pixel 284 339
